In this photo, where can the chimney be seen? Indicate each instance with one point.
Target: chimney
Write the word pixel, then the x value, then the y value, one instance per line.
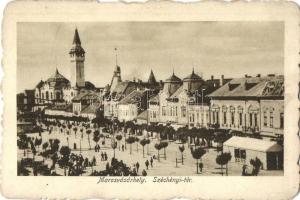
pixel 271 75
pixel 222 80
pixel 246 75
pixel 212 77
pixel 258 75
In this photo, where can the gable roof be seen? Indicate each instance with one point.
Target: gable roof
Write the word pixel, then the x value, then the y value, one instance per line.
pixel 253 144
pixel 252 87
pixel 122 89
pixel 134 97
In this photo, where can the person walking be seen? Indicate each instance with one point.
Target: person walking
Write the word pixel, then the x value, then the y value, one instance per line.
pixel 102 156
pixel 147 164
pixel 151 162
pixel 137 167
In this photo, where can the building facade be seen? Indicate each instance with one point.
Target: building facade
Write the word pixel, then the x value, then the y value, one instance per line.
pixel 250 105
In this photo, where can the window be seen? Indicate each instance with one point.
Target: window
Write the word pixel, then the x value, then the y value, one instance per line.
pixel 232 118
pixel 255 119
pixel 51 95
pixel 183 111
pixel 271 119
pixel 241 118
pixel 176 111
pixel 240 155
pixel 47 95
pixel 214 117
pixel 250 119
pixel 265 119
pixel 217 115
pixel 224 118
pixel 281 120
pixel 164 111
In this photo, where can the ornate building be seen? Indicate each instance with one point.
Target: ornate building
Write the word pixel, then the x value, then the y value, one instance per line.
pixel 59 90
pixel 250 105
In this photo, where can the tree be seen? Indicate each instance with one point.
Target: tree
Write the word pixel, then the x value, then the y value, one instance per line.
pixel 164 145
pixel 158 147
pixel 38 142
pixel 96 137
pixel 143 142
pixel 22 142
pixel 137 144
pixel 223 159
pixel 181 149
pixel 220 137
pixel 197 154
pixel 119 138
pixel 88 132
pixel 114 146
pixel 75 129
pixel 64 161
pixel 81 131
pixel 130 140
pixel 147 142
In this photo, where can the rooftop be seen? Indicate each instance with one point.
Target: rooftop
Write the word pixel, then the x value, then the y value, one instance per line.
pixel 268 86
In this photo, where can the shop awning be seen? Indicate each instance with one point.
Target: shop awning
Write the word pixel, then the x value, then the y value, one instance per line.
pixel 253 144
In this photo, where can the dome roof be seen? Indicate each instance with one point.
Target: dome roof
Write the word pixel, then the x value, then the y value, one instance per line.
pixel 192 77
pixel 173 79
pixel 57 77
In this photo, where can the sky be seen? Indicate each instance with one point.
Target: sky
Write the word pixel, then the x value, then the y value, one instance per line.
pixel 232 49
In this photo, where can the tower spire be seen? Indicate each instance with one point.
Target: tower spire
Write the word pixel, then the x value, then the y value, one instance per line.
pixel 76 39
pixel 116 56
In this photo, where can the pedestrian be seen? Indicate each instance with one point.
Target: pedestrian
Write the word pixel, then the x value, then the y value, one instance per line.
pixel 137 166
pixel 147 164
pixel 200 166
pixel 144 173
pixel 102 156
pixel 94 161
pixel 105 156
pixel 244 172
pixel 151 162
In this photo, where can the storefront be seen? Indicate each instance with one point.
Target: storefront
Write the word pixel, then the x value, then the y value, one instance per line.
pixel 243 149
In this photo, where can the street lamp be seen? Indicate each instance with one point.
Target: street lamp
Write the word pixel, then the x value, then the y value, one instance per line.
pixel 202 116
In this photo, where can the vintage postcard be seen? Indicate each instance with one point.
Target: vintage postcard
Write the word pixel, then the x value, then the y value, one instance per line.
pixel 150 100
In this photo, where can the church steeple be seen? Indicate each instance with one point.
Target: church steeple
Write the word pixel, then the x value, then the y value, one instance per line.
pixel 152 79
pixel 76 39
pixel 77 55
pixel 116 75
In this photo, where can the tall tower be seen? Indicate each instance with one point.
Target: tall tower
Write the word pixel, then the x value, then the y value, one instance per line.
pixel 77 55
pixel 116 76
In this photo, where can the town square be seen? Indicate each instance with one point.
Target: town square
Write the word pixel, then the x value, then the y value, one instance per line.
pixel 180 124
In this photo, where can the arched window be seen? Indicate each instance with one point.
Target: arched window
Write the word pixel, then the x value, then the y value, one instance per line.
pixel 47 95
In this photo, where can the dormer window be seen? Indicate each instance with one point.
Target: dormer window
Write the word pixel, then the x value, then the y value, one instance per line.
pixel 232 86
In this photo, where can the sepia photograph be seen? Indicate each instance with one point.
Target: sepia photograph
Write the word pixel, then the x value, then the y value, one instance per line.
pixel 156 100
pixel 202 98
